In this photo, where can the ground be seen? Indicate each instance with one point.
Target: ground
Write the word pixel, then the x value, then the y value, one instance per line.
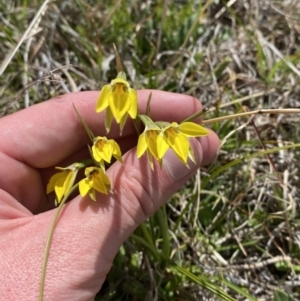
pixel 233 232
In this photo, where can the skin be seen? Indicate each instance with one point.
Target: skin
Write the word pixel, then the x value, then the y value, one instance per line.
pixel 88 234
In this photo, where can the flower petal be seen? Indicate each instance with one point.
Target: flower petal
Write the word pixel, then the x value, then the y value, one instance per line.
pixel 122 123
pixel 98 182
pixel 69 181
pixel 162 145
pixel 142 145
pixel 102 101
pixel 92 194
pixel 53 180
pixel 116 151
pixel 119 102
pixel 60 186
pixel 134 104
pixel 180 144
pixel 108 119
pixel 84 187
pixel 191 129
pixel 151 137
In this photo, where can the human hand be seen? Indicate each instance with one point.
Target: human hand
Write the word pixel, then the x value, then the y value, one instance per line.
pixel 88 234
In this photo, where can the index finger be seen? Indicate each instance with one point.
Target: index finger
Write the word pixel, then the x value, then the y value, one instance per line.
pixel 47 133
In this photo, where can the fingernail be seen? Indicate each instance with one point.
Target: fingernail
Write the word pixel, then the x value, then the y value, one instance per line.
pixel 174 166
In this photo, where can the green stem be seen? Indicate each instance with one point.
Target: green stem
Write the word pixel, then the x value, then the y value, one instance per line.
pixel 148 108
pixel 48 244
pixel 164 228
pixel 136 123
pixel 85 126
pixel 196 115
pixel 150 247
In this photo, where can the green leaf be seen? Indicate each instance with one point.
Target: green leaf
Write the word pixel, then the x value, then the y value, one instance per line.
pixel 281 296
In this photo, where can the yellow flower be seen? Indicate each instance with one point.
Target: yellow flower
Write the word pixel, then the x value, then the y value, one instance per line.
pixel 119 100
pixel 104 149
pixel 176 135
pixel 152 140
pixel 96 180
pixel 63 181
pixel 158 137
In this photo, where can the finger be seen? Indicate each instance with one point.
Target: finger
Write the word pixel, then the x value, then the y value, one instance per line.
pixel 49 132
pixel 210 147
pixel 101 227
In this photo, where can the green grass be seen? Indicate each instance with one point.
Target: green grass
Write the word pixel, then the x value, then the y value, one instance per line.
pixel 209 241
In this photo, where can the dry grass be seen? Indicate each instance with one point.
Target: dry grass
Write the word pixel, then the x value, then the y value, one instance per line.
pixel 237 221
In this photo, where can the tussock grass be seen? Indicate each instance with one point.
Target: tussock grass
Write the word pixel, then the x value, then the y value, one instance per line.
pixel 233 231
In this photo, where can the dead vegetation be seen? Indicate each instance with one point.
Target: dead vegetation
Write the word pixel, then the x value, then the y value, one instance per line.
pixel 238 221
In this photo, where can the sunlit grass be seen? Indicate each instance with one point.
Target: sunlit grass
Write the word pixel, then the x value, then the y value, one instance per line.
pixel 216 237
